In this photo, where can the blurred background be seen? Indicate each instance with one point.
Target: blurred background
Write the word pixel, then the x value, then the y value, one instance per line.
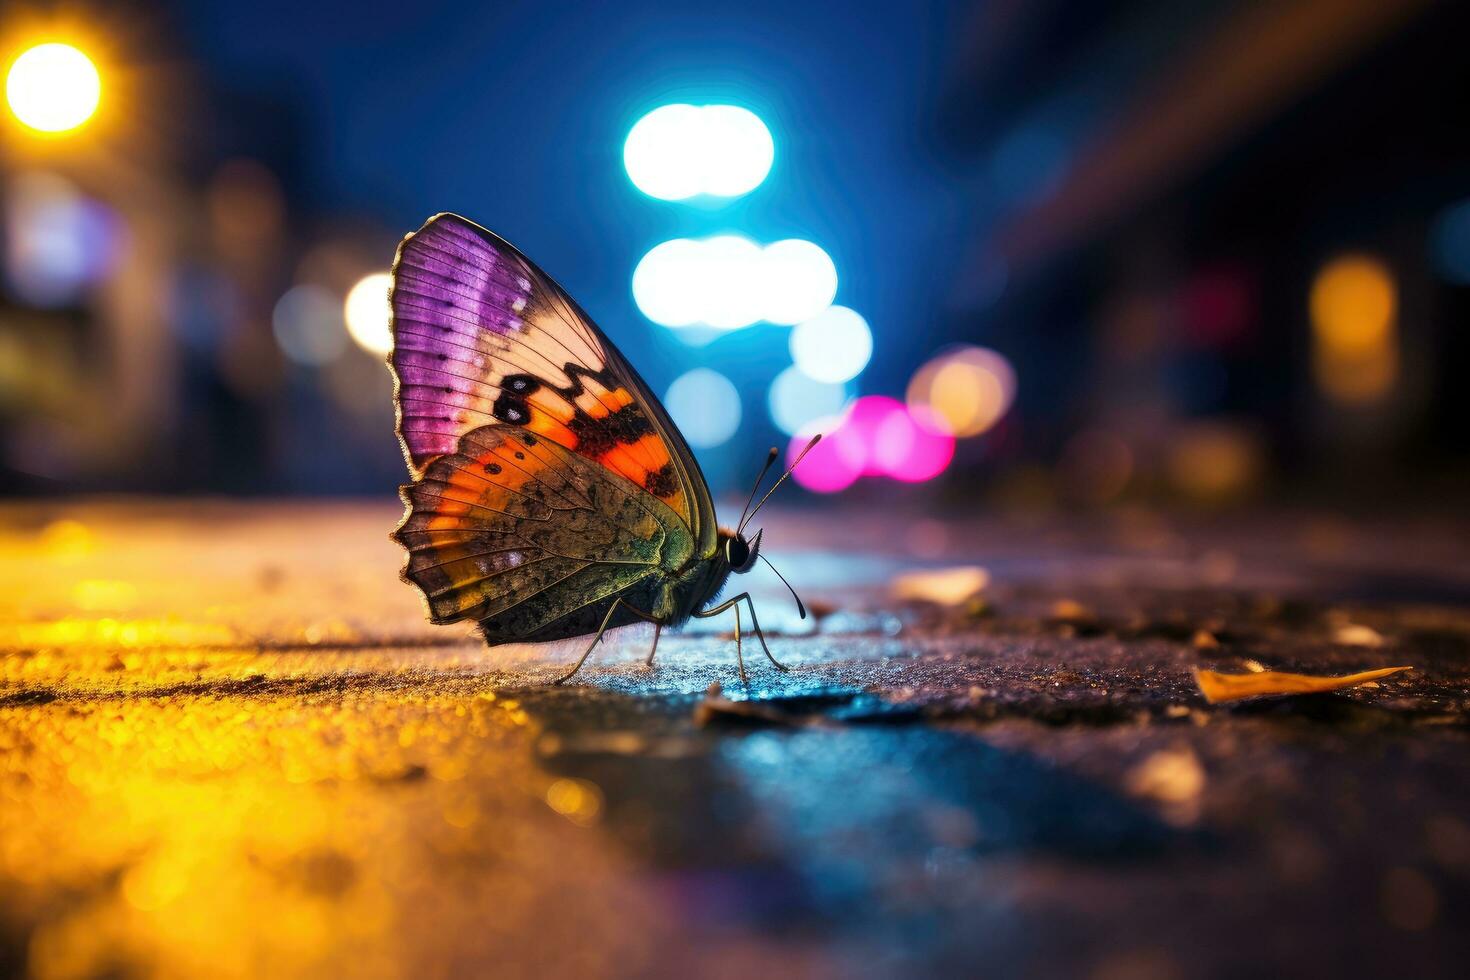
pixel 1035 254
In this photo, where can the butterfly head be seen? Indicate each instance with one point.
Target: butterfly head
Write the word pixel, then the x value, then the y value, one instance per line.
pixel 740 553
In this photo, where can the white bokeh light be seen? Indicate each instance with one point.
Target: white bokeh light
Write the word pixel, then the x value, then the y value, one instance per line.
pixel 796 399
pixel 367 313
pixel 800 280
pixel 705 406
pixel 307 323
pixel 681 151
pixel 833 346
pixel 727 282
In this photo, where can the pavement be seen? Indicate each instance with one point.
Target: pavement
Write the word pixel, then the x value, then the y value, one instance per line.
pixel 230 745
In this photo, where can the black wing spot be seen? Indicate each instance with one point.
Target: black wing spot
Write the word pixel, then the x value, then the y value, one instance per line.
pixel 520 455
pixel 663 481
pixel 492 468
pixel 510 409
pixel 522 384
pixel 530 439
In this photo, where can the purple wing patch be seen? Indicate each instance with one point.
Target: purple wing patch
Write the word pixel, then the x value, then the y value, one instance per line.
pixel 469 312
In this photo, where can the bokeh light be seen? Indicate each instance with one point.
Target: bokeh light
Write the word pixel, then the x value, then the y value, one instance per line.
pixel 728 281
pixel 796 400
pixel 875 436
pixel 826 469
pixel 833 346
pixel 53 88
pixel 857 436
pixel 307 323
pixel 1354 305
pixel 1215 461
pixel 967 389
pixel 1218 307
pixel 1450 243
pixel 367 313
pixel 798 280
pixel 681 151
pixel 57 240
pixel 705 406
pixel 911 445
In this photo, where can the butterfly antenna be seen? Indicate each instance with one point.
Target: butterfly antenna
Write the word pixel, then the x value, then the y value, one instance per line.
pixel 749 517
pixel 799 607
pixel 770 459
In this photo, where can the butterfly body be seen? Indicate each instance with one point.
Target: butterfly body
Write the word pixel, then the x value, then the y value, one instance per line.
pixel 552 495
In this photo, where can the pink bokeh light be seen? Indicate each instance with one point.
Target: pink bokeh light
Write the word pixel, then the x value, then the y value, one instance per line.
pixel 827 468
pixel 878 436
pixel 911 445
pixel 857 438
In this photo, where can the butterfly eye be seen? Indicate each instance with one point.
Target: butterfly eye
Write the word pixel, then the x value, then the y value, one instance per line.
pixel 737 553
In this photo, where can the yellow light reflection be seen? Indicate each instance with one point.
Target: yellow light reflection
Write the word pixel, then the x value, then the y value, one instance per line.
pixel 53 88
pixel 223 830
pixel 1354 306
pixel 578 800
pixel 367 313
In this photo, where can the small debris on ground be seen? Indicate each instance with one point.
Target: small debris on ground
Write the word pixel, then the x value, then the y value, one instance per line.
pixel 1217 687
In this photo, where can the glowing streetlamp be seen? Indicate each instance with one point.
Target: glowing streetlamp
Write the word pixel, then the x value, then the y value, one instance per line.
pixel 53 88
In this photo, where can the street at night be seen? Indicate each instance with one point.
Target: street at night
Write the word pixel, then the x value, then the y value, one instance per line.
pixel 960 488
pixel 232 747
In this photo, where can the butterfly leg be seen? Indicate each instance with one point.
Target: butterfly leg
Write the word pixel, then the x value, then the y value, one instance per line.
pixel 739 657
pixel 733 602
pixel 603 629
pixel 756 625
pixel 657 629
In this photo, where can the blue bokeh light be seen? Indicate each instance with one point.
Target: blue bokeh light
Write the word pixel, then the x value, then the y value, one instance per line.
pixel 796 399
pixel 705 406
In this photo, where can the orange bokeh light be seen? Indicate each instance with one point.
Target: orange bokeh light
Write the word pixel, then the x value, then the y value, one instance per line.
pixel 1354 309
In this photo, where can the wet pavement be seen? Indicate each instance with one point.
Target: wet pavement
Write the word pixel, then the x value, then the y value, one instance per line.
pixel 230 745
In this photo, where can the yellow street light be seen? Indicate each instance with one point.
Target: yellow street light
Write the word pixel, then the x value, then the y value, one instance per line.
pixel 53 88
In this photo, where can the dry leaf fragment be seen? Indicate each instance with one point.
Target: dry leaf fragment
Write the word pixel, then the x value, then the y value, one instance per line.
pixel 1217 687
pixel 716 708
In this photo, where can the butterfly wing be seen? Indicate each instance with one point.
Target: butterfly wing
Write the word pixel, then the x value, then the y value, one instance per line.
pixel 484 340
pixel 483 337
pixel 533 539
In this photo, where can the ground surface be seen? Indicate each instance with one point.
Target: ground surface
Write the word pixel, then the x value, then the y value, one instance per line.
pixel 231 746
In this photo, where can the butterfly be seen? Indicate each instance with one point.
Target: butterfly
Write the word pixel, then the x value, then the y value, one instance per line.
pixel 552 495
